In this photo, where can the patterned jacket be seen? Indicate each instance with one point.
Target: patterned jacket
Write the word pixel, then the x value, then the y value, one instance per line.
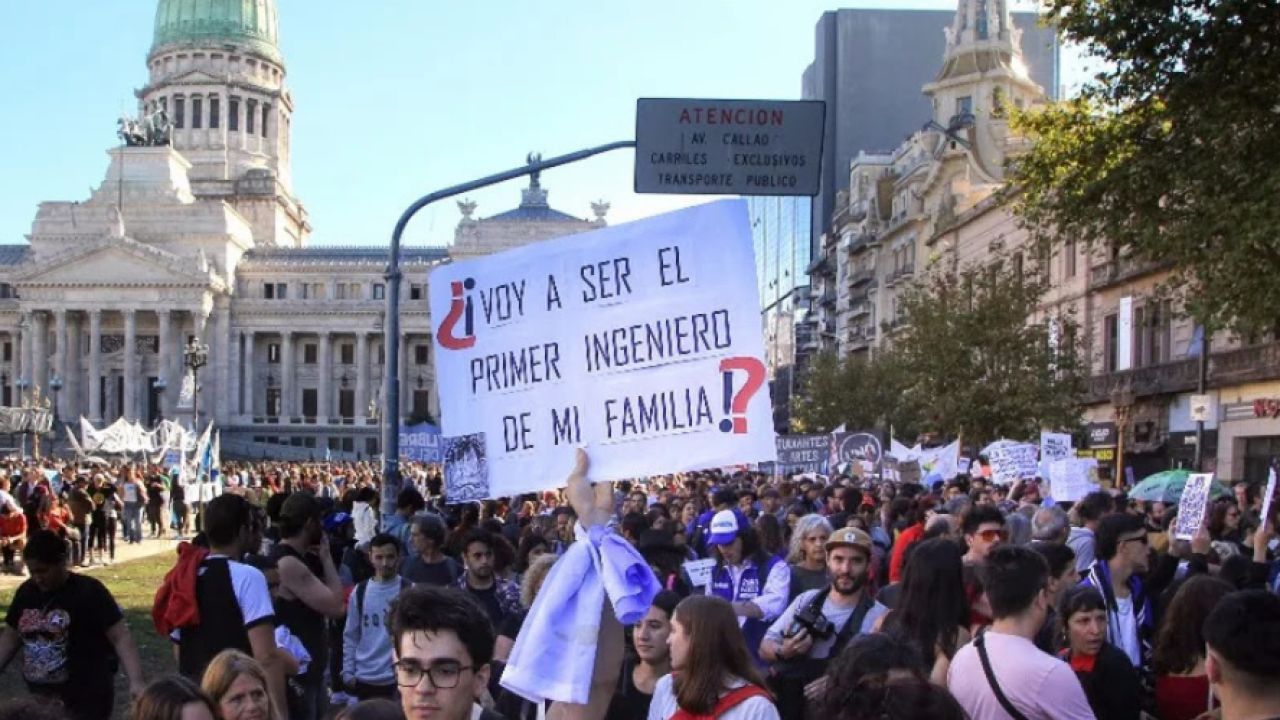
pixel 508 593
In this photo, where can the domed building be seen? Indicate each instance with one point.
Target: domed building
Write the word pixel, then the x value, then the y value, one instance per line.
pixel 195 233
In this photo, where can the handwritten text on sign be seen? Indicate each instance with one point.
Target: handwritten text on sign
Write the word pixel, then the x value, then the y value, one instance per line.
pixel 640 341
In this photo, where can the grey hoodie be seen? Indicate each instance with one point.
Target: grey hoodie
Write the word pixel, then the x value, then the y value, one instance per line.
pixel 366 644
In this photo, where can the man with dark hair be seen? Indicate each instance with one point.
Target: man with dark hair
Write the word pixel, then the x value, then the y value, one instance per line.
pixel 366 646
pixel 310 592
pixel 408 504
pixel 72 633
pixel 1088 512
pixel 1002 674
pixel 1241 635
pixel 500 598
pixel 818 624
pixel 427 564
pixel 1121 546
pixel 233 599
pixel 633 524
pixel 984 530
pixel 443 643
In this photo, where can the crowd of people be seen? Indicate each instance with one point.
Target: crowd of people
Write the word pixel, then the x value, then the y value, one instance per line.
pixel 800 597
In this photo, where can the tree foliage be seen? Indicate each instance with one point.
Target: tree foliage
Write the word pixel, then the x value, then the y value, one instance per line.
pixel 861 393
pixel 1172 153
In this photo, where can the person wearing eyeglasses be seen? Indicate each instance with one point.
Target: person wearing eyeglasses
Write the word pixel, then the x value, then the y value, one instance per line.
pixel 1122 557
pixel 443 644
pixel 984 530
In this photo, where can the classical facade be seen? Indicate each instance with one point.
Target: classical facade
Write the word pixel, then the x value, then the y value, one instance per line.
pixel 203 238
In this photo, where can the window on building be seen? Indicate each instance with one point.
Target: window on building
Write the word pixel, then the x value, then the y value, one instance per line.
pixel 8 352
pixel 371 446
pixel 1152 329
pixel 1017 264
pixel 266 113
pixel 273 353
pixel 421 405
pixel 335 444
pixel 415 292
pixel 379 291
pixel 421 354
pixel 347 352
pixel 215 112
pixel 310 402
pixel 197 112
pixel 964 105
pixel 273 402
pixel 251 110
pixel 233 114
pixel 269 291
pixel 1069 259
pixel 348 444
pixel 347 403
pixel 6 292
pixel 282 291
pixel 179 111
pixel 309 354
pixel 1110 343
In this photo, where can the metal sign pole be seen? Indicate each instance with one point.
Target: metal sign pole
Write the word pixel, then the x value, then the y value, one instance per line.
pixel 391 329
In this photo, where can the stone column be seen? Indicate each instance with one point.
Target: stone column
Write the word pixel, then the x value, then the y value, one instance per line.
pixel 287 385
pixel 324 388
pixel 218 352
pixel 40 352
pixel 172 387
pixel 234 365
pixel 362 373
pixel 130 409
pixel 60 358
pixel 19 366
pixel 404 376
pixel 248 367
pixel 75 370
pixel 24 354
pixel 95 366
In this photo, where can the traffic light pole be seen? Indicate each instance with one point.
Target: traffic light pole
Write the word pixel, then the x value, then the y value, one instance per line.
pixel 391 327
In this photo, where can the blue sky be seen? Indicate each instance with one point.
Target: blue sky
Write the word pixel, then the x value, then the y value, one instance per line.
pixel 396 98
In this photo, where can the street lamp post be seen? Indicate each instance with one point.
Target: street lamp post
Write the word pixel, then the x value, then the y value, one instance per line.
pixel 1122 398
pixel 194 357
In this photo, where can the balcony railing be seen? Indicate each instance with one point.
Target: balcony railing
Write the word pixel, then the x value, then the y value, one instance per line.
pixel 1117 271
pixel 1249 364
pixel 829 297
pixel 861 277
pixel 859 307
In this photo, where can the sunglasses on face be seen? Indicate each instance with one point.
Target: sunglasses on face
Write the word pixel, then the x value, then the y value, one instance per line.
pixel 1141 538
pixel 993 535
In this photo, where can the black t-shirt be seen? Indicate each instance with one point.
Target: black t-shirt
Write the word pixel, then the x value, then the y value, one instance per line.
pixel 64 636
pixel 440 574
pixel 489 601
pixel 513 624
pixel 629 702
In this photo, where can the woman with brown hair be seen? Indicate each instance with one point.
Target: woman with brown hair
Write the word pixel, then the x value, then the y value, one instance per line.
pixel 1182 685
pixel 173 697
pixel 713 675
pixel 238 687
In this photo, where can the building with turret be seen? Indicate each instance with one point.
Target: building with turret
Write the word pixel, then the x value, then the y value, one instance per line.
pixel 202 238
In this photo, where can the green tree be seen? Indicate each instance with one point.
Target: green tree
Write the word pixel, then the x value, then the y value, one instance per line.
pixel 974 363
pixel 1172 154
pixel 859 392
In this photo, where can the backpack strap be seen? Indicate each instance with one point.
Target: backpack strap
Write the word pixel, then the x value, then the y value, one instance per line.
pixel 980 643
pixel 854 626
pixel 726 703
pixel 361 587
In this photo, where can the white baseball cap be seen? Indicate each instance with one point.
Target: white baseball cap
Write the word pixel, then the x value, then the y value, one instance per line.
pixel 724 528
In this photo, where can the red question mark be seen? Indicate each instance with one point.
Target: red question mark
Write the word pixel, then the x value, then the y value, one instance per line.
pixel 737 403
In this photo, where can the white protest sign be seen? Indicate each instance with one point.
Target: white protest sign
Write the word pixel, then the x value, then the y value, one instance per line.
pixel 1053 446
pixel 1195 495
pixel 1013 462
pixel 641 342
pixel 699 571
pixel 1266 498
pixel 1069 480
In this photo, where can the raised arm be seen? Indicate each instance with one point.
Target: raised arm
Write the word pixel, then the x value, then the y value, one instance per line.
pixel 594 505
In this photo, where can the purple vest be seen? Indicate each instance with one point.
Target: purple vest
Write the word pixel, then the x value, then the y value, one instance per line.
pixel 750 586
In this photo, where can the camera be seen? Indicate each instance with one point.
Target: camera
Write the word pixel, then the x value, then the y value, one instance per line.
pixel 811 619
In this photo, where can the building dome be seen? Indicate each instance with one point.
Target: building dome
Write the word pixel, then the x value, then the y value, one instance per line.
pixel 252 25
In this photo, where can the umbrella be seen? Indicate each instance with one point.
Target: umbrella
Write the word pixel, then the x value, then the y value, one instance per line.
pixel 1166 486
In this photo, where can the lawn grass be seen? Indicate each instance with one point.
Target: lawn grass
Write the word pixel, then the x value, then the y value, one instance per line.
pixel 134 585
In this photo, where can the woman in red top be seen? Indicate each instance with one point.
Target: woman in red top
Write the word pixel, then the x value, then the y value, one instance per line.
pixel 1182 687
pixel 914 519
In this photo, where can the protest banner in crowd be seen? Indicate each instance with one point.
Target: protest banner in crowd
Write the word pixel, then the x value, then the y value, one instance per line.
pixel 420 442
pixel 803 453
pixel 858 453
pixel 1011 462
pixel 1053 447
pixel 1070 478
pixel 1191 508
pixel 640 341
